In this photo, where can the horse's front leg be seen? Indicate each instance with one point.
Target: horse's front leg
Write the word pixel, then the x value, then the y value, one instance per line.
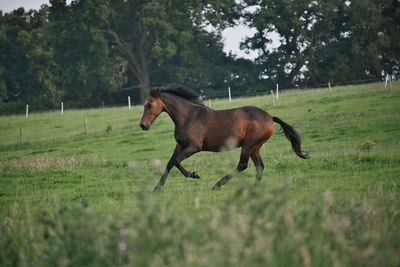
pixel 170 164
pixel 186 173
pixel 178 155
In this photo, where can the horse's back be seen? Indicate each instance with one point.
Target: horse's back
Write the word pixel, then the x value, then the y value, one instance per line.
pixel 244 115
pixel 238 125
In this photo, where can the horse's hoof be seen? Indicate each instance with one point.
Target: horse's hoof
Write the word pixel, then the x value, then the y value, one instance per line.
pixel 216 187
pixel 195 175
pixel 156 188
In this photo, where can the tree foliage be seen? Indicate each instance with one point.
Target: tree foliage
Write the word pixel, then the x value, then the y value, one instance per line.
pixel 330 40
pixel 26 59
pixel 91 53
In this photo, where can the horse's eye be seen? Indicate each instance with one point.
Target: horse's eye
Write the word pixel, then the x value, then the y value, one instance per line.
pixel 148 105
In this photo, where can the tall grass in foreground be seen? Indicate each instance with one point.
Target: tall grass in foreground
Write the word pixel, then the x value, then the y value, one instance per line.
pixel 252 228
pixel 73 199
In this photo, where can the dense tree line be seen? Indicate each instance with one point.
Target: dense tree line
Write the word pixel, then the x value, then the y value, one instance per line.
pixel 329 40
pixel 92 53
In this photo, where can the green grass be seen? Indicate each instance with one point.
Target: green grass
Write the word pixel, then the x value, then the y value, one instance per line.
pixel 70 198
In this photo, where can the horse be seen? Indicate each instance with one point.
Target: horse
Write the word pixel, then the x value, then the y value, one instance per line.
pixel 201 128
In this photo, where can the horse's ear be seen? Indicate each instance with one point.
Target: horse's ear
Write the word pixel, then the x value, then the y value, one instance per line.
pixel 155 92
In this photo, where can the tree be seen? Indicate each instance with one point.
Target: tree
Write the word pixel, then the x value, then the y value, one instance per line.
pixel 87 69
pixel 390 30
pixel 136 36
pixel 84 52
pixel 26 64
pixel 375 33
pixel 331 40
pixel 148 34
pixel 291 20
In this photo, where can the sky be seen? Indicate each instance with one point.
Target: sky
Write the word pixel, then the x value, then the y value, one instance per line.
pixel 231 36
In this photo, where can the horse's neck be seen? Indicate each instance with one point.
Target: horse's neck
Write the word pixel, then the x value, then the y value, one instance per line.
pixel 177 108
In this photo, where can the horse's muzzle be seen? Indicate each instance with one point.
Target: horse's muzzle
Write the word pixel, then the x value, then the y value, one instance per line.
pixel 144 126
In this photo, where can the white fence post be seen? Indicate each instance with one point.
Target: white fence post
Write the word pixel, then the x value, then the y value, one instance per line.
pixel 85 126
pixel 277 91
pixel 229 92
pixel 386 80
pixel 62 108
pixel 129 102
pixel 330 89
pixel 27 111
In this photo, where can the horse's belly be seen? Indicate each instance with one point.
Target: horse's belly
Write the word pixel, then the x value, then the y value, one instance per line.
pixel 217 148
pixel 221 140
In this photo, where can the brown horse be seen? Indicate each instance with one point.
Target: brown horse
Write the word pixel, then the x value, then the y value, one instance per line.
pixel 200 128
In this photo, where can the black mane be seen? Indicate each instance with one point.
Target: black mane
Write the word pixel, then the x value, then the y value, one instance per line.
pixel 181 91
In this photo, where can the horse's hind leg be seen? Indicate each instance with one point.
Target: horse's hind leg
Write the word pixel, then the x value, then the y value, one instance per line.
pixel 259 165
pixel 244 159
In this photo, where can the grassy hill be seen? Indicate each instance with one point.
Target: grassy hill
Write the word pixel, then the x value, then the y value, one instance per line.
pixel 70 198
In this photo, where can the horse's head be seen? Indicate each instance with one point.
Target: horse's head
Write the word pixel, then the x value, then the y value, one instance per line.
pixel 152 108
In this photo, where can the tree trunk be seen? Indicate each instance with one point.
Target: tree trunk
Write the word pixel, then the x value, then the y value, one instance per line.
pixel 144 87
pixel 139 65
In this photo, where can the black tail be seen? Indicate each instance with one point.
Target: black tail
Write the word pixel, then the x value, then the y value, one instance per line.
pixel 293 136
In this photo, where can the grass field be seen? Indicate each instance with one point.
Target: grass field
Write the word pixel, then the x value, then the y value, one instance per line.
pixel 76 199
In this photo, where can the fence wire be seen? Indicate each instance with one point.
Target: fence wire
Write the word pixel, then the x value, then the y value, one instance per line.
pixel 78 128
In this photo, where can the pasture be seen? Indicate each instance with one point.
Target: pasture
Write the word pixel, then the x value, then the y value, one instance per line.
pixel 73 198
